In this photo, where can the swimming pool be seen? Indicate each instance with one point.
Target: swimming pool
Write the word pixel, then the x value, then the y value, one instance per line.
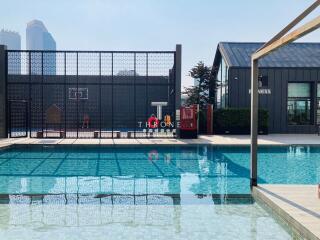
pixel 100 222
pixel 158 192
pixel 145 170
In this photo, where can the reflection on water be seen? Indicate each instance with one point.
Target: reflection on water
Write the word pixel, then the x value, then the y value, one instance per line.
pixel 192 192
pixel 151 170
pixel 96 221
pixel 165 170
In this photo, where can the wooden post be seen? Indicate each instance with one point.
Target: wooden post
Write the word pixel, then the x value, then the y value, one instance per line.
pixel 283 38
pixel 254 123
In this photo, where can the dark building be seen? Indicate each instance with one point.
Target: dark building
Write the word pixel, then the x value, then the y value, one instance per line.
pixel 289 86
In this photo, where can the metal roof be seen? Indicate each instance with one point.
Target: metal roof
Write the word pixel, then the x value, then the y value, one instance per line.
pixel 293 55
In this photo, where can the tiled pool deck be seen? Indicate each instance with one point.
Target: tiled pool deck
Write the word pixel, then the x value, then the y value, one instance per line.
pixel 272 139
pixel 296 204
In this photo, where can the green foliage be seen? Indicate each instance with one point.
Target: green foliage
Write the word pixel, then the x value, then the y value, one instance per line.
pixel 237 121
pixel 199 94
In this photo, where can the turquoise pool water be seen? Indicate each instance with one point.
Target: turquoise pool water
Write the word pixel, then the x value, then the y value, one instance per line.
pixel 156 222
pixel 185 170
pixel 161 192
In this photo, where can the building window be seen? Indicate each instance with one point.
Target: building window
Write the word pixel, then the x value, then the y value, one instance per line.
pixel 263 81
pixel 318 95
pixel 318 104
pixel 222 86
pixel 299 103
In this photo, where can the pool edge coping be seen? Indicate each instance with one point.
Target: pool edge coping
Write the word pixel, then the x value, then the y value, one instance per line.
pixel 59 143
pixel 296 226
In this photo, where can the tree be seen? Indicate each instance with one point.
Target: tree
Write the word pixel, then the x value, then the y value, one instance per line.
pixel 199 94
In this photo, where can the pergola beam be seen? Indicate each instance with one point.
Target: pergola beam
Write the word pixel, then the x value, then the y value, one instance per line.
pixel 290 37
pixel 281 39
pixel 292 24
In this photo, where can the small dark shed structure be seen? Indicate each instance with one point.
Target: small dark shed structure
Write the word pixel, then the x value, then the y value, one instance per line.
pixel 289 86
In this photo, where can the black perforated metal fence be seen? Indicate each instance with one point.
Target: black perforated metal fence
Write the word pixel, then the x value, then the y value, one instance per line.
pixel 77 94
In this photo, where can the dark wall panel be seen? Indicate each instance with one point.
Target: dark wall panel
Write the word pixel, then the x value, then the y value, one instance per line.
pixel 284 94
pixel 242 88
pixel 276 85
pixel 94 91
pixel 276 102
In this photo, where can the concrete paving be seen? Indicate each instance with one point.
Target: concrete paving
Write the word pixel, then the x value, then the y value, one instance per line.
pixel 272 139
pixel 298 205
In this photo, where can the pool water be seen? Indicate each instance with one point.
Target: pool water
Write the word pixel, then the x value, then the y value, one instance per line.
pixel 100 222
pixel 154 192
pixel 151 170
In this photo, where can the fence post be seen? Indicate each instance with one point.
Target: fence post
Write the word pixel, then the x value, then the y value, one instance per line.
pixel 178 60
pixel 3 92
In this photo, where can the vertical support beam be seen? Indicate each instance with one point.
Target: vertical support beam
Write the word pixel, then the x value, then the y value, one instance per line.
pixel 254 122
pixel 147 92
pixel 42 96
pixel 3 92
pixel 100 94
pixel 178 62
pixel 112 100
pixel 65 93
pixel 29 94
pixel 134 93
pixel 78 122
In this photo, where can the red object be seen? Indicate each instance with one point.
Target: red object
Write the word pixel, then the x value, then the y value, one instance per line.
pixel 153 122
pixel 188 118
pixel 153 155
pixel 210 119
pixel 86 121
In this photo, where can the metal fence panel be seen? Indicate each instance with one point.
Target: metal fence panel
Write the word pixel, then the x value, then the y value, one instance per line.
pixel 18 118
pixel 93 94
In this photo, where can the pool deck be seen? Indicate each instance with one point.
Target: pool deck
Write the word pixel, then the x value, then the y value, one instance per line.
pixel 271 139
pixel 298 205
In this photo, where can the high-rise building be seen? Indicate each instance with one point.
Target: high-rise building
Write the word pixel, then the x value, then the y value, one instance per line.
pixel 13 42
pixel 38 38
pixel 11 39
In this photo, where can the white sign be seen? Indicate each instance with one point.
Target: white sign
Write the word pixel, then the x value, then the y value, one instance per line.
pixel 159 106
pixel 263 91
pixel 78 93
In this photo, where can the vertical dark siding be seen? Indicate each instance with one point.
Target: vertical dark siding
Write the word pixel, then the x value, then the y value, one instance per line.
pixel 276 103
pixel 283 96
pixel 247 99
pixel 314 79
pixel 234 88
pixel 273 84
pixel 263 100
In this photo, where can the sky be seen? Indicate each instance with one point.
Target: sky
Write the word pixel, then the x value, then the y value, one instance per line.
pixel 199 25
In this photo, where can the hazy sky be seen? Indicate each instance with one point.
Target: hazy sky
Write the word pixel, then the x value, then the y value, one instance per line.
pixel 154 24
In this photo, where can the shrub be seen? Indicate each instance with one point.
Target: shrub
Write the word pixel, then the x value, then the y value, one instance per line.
pixel 237 121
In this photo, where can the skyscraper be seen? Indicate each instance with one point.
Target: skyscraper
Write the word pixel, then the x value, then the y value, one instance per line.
pixel 13 42
pixel 38 38
pixel 11 39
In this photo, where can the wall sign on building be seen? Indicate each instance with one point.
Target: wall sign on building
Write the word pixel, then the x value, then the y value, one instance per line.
pixel 263 91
